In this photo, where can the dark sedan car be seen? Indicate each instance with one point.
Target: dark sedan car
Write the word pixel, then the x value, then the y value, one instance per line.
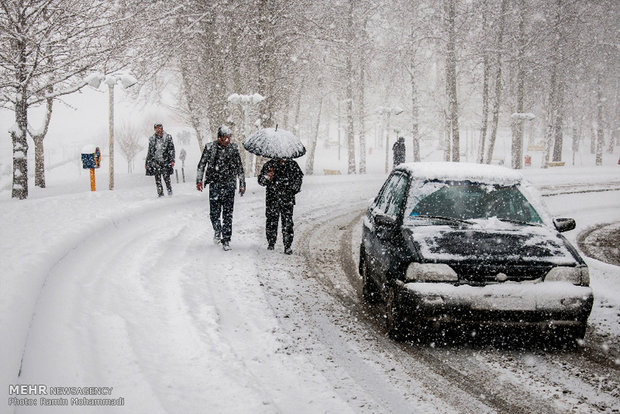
pixel 457 243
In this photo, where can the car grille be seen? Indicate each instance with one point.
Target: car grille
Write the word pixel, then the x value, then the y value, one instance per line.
pixel 483 274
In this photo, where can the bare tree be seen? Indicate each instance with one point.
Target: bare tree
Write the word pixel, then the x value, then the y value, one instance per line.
pixel 451 80
pixel 498 80
pixel 46 50
pixel 129 139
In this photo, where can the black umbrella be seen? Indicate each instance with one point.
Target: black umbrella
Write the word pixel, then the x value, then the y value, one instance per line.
pixel 274 143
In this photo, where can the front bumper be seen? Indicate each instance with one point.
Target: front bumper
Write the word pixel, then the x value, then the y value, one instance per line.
pixel 504 304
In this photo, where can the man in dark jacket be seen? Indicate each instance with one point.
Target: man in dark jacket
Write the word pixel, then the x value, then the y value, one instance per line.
pixel 160 159
pixel 220 167
pixel 283 179
pixel 399 151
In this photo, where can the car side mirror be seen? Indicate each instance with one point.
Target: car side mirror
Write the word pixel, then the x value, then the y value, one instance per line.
pixel 385 226
pixel 564 224
pixel 385 221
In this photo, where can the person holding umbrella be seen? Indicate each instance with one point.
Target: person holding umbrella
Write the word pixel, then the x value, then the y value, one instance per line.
pixel 282 178
pixel 220 166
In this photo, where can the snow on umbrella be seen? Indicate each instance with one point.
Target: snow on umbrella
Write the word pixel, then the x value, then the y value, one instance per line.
pixel 274 143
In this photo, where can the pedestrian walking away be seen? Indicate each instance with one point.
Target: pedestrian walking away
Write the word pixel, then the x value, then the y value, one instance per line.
pixel 219 168
pixel 160 159
pixel 399 151
pixel 282 179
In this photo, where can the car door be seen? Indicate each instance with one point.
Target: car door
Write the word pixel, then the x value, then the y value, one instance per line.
pixel 387 221
pixel 372 245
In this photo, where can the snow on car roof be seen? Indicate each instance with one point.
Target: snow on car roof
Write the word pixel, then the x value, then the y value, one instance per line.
pixel 462 171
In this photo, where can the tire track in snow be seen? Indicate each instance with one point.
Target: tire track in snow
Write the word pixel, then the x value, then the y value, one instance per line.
pixel 407 377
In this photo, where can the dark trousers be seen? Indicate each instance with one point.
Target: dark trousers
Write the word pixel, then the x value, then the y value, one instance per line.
pixel 221 204
pixel 160 188
pixel 275 211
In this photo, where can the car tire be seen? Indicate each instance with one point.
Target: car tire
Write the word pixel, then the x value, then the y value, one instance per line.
pixel 393 316
pixel 370 293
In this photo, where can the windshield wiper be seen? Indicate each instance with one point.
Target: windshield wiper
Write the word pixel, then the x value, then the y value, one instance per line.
pixel 525 223
pixel 451 219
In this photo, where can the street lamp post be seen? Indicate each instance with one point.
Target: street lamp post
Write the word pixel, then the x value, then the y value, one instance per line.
pixel 127 81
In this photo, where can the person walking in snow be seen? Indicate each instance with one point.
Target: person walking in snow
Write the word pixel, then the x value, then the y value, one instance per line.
pixel 160 159
pixel 399 151
pixel 220 167
pixel 283 179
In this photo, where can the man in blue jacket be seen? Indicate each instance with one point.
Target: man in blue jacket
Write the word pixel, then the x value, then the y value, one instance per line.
pixel 220 166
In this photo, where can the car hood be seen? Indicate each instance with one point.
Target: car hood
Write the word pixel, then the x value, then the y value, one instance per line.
pixel 512 243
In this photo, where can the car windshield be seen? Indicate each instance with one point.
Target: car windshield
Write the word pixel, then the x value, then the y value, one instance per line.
pixel 463 200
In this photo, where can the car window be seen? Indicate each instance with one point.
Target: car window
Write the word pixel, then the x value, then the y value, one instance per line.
pixel 386 193
pixel 467 201
pixel 398 194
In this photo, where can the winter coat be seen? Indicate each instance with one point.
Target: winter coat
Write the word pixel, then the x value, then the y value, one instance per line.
pixel 399 152
pixel 163 166
pixel 286 181
pixel 220 164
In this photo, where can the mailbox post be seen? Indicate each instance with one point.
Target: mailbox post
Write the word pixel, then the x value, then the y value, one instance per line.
pixel 91 159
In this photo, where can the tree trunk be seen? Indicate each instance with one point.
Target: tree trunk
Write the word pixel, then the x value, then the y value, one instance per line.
pixel 194 117
pixel 361 106
pixel 415 117
pixel 39 150
pixel 451 82
pixel 517 138
pixel 415 133
pixel 349 93
pixel 312 151
pixel 19 132
pixel 498 82
pixel 485 92
pixel 558 126
pixel 600 136
pixel 263 70
pixel 39 162
pixel 20 151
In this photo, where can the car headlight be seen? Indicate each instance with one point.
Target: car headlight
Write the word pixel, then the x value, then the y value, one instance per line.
pixel 575 275
pixel 430 272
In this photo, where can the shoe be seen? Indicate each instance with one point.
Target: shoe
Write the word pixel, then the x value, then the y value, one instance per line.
pixel 216 239
pixel 288 250
pixel 170 193
pixel 270 246
pixel 225 246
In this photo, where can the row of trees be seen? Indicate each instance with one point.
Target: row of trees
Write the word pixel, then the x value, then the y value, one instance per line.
pixel 482 63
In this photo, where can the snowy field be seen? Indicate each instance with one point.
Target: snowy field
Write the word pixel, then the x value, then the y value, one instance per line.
pixel 121 289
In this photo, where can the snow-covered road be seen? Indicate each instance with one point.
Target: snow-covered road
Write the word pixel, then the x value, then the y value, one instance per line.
pixel 121 290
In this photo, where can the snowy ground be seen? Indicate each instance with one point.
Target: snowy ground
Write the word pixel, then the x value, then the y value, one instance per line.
pixel 121 289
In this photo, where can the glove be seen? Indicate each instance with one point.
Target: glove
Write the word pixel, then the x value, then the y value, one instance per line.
pixel 199 186
pixel 172 164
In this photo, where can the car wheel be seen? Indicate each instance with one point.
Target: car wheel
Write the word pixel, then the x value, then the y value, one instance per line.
pixel 370 293
pixel 395 326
